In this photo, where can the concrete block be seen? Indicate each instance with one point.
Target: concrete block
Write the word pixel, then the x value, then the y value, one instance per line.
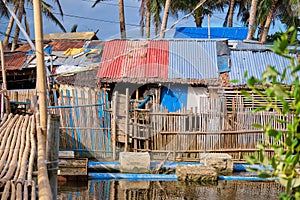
pixel 134 185
pixel 222 162
pixel 196 173
pixel 133 162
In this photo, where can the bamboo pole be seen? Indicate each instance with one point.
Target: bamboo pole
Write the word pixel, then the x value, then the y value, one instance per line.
pixel 13 191
pixel 4 84
pixel 5 193
pixel 127 119
pixel 43 181
pixel 41 78
pixel 52 151
pixel 114 125
pixel 32 152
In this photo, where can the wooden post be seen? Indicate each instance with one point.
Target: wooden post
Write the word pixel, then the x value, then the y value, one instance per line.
pixel 4 84
pixel 114 125
pixel 52 151
pixel 127 119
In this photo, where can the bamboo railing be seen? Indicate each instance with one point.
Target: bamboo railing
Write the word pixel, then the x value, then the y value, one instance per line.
pixel 17 152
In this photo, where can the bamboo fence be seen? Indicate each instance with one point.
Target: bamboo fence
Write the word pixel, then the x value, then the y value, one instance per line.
pixel 85 121
pixel 187 134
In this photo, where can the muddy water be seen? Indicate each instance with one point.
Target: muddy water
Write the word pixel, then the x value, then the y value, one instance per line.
pixel 163 190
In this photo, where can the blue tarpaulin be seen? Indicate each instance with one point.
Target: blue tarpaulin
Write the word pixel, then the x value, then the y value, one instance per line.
pixel 174 98
pixel 231 33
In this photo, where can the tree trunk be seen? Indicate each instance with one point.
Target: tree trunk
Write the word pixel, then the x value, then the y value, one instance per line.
pixel 267 24
pixel 252 24
pixel 231 12
pixel 198 20
pixel 17 30
pixel 122 19
pixel 165 19
pixel 9 27
pixel 148 22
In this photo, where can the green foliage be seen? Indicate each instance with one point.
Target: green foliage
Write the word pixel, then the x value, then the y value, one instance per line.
pixel 283 97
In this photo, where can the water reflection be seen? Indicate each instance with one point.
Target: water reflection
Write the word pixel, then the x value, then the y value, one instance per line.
pixel 163 190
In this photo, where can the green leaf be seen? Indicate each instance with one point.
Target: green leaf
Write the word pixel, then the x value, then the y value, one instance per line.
pixel 272 132
pixel 259 126
pixel 234 81
pixel 246 74
pixel 264 175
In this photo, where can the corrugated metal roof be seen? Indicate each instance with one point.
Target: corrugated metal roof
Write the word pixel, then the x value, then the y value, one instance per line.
pixel 250 46
pixel 134 59
pixel 160 60
pixel 83 60
pixel 232 33
pixel 94 44
pixel 193 59
pixel 56 45
pixel 14 60
pixel 255 63
pixel 71 36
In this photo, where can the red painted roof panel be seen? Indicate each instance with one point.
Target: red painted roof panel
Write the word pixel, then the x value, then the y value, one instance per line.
pixel 134 59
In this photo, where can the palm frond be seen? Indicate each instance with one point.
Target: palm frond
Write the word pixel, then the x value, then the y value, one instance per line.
pixel 3 10
pixel 96 2
pixel 59 7
pixel 26 25
pixel 46 9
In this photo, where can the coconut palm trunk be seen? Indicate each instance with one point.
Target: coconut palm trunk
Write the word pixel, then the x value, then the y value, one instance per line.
pixel 9 27
pixel 165 18
pixel 148 20
pixel 17 30
pixel 252 24
pixel 231 12
pixel 122 19
pixel 268 22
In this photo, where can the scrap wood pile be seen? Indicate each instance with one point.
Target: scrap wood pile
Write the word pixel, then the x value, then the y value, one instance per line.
pixel 17 155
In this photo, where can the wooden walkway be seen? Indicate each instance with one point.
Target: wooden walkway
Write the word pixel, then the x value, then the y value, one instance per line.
pixel 17 157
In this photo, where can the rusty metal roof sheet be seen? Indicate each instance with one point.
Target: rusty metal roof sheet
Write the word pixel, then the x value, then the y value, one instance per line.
pixel 56 45
pixel 14 60
pixel 189 61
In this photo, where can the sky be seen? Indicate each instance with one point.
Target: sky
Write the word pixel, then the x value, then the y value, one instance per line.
pixel 105 18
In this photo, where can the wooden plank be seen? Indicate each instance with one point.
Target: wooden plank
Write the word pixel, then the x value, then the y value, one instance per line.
pixel 66 154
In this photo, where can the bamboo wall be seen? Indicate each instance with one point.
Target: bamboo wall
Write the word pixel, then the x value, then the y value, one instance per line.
pixel 210 128
pixel 85 121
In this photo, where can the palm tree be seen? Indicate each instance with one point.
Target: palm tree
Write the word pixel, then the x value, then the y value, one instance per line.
pixel 20 10
pixel 268 20
pixel 243 12
pixel 252 23
pixel 121 15
pixel 199 14
pixel 165 18
pixel 275 9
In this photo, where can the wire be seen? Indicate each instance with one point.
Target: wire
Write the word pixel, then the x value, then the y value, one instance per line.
pixel 112 4
pixel 140 48
pixel 4 34
pixel 93 19
pixel 185 16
